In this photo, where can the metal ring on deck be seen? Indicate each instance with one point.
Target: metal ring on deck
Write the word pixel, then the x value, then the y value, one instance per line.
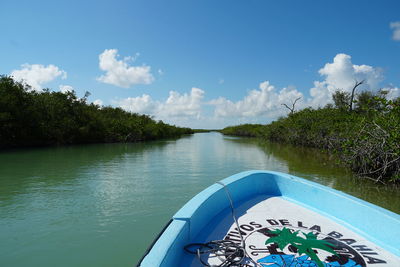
pixel 199 245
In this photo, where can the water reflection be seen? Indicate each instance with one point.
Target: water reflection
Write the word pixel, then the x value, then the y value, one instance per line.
pixel 32 170
pixel 105 203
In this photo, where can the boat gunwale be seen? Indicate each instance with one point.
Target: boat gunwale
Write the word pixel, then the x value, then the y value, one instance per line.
pixel 184 225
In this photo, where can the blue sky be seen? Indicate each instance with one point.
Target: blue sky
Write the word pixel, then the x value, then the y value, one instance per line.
pixel 203 64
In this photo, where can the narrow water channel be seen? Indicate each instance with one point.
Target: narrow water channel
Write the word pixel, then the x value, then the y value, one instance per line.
pixel 102 205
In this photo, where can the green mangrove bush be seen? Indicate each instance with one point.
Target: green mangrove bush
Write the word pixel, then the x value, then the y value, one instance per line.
pixel 31 118
pixel 366 138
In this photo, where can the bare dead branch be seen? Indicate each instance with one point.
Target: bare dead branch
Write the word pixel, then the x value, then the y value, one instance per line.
pixel 356 84
pixel 293 105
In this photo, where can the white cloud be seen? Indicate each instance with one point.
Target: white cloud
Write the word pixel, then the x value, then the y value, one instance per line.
pixel 66 88
pixel 177 105
pixel 266 101
pixel 36 74
pixel 98 102
pixel 341 74
pixel 396 30
pixel 142 104
pixel 120 73
pixel 184 104
pixel 320 94
pixel 393 92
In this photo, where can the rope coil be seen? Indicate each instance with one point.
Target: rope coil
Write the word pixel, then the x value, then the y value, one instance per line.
pixel 228 252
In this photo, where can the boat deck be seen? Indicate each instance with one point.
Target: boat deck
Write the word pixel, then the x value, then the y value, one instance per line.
pixel 277 231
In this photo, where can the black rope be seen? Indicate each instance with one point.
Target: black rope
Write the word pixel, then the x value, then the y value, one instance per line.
pixel 230 253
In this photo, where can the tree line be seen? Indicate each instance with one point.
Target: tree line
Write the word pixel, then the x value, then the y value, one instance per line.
pixel 363 129
pixel 31 118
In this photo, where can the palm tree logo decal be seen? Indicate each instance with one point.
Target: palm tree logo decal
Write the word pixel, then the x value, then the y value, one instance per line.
pixel 304 245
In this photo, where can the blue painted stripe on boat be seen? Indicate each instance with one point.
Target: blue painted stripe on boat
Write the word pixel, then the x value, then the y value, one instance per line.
pixel 166 250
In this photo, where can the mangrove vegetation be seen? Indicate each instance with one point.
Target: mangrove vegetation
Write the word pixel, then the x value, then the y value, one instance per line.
pixel 362 129
pixel 32 118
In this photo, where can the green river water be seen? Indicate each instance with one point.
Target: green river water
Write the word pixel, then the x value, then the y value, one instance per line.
pixel 102 205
